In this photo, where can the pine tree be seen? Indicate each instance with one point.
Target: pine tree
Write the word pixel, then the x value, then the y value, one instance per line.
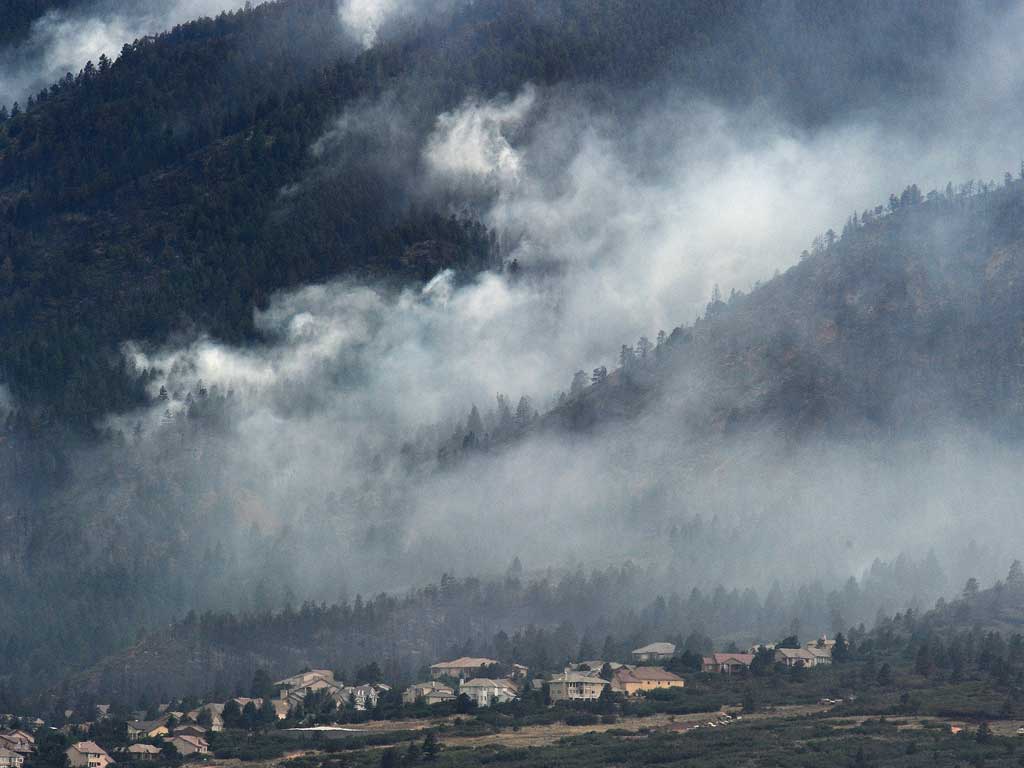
pixel 431 747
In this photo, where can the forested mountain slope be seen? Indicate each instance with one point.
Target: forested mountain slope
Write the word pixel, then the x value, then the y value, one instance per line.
pixel 174 191
pixel 909 319
pixel 154 183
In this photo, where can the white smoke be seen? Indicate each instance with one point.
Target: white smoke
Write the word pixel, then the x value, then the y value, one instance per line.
pixel 63 41
pixel 365 21
pixel 473 142
pixel 362 19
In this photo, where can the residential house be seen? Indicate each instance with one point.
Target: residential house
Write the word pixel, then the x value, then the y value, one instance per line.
pixel 142 752
pixel 87 754
pixel 363 697
pixel 822 649
pixel 10 759
pixel 576 686
pixel 462 668
pixel 654 653
pixel 727 663
pixel 216 711
pixel 190 730
pixel 189 745
pixel 293 690
pixel 821 655
pixel 429 693
pixel 821 642
pixel 484 692
pixel 795 657
pixel 148 729
pixel 640 679
pixel 19 741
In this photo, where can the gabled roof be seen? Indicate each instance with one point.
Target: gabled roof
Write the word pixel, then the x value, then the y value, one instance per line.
pixel 657 648
pixel 432 686
pixel 195 741
pixel 722 658
pixel 486 682
pixel 465 662
pixel 304 678
pixel 577 677
pixel 794 653
pixel 89 748
pixel 647 674
pixel 4 752
pixel 148 725
pixel 147 749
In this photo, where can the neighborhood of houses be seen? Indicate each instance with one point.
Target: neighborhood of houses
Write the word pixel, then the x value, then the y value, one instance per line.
pixel 469 679
pixel 587 680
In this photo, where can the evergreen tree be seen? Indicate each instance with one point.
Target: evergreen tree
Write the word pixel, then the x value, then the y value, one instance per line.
pixel 431 747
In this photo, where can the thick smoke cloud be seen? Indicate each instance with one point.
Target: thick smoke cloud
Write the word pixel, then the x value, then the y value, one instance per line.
pixel 630 224
pixel 63 41
pixel 623 219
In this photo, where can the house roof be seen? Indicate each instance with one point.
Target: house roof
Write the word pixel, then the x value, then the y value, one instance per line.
pixel 195 741
pixel 5 752
pixel 465 662
pixel 148 725
pixel 303 678
pixel 721 658
pixel 577 677
pixel 89 748
pixel 647 674
pixel 190 727
pixel 657 648
pixel 794 653
pixel 147 749
pixel 486 682
pixel 432 686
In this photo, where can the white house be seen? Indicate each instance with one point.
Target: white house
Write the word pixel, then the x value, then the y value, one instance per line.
pixel 485 692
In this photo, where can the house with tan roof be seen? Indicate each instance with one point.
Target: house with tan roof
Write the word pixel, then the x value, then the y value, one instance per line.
pixel 88 754
pixel 142 752
pixel 821 655
pixel 641 679
pixel 10 759
pixel 576 686
pixel 18 740
pixel 795 657
pixel 293 690
pixel 188 729
pixel 189 745
pixel 461 668
pixel 726 663
pixel 654 653
pixel 148 729
pixel 484 692
pixel 216 714
pixel 428 693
